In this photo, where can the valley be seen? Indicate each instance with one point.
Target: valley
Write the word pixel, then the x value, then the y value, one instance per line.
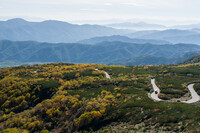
pixel 150 82
pixel 99 66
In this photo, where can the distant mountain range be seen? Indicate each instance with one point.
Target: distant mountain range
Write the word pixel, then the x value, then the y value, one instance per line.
pixel 186 27
pixel 154 60
pixel 171 35
pixel 119 38
pixel 51 31
pixel 149 26
pixel 105 52
pixel 57 31
pixel 137 26
pixel 24 42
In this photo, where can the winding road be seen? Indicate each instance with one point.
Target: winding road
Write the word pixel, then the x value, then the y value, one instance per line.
pixel 195 96
pixel 154 95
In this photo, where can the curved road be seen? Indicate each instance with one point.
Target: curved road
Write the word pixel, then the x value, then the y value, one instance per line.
pixel 155 88
pixel 154 95
pixel 107 75
pixel 195 96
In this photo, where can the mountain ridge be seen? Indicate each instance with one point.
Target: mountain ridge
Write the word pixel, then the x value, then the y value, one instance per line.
pixel 51 31
pixel 120 38
pixel 153 60
pixel 104 52
pixel 170 35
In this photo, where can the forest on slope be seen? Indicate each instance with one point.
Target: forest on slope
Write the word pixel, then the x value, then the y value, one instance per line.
pixel 30 52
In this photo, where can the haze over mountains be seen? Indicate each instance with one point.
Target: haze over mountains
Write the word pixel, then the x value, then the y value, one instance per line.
pixel 56 41
pixel 57 31
pixel 51 31
pixel 137 26
pixel 119 38
pixel 148 26
pixel 171 35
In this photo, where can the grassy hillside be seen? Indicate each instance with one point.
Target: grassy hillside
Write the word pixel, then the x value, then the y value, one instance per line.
pixel 62 97
pixel 194 59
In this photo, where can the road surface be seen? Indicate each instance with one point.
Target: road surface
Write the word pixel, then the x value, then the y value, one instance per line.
pixel 155 88
pixel 195 96
pixel 107 75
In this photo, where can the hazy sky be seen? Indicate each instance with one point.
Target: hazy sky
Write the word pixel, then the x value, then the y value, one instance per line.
pixel 99 11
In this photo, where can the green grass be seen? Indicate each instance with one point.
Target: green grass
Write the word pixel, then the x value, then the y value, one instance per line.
pixel 118 71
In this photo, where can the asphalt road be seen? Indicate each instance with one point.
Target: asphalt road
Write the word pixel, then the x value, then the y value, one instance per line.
pixel 195 96
pixel 107 75
pixel 155 88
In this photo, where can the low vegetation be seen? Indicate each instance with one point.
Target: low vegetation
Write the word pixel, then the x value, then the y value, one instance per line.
pixel 193 59
pixel 63 97
pixel 197 88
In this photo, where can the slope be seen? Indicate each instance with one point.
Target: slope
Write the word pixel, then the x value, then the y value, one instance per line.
pixel 153 60
pixel 105 52
pixel 61 97
pixel 194 59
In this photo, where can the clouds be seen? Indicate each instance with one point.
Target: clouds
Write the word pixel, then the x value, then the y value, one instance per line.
pixel 74 10
pixel 134 4
pixel 108 4
pixel 94 10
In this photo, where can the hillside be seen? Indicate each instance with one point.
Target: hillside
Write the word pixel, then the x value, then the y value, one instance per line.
pixel 194 59
pixel 51 31
pixel 105 52
pixel 63 97
pixel 154 60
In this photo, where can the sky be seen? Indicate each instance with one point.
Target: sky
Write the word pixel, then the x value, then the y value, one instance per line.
pixel 167 12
